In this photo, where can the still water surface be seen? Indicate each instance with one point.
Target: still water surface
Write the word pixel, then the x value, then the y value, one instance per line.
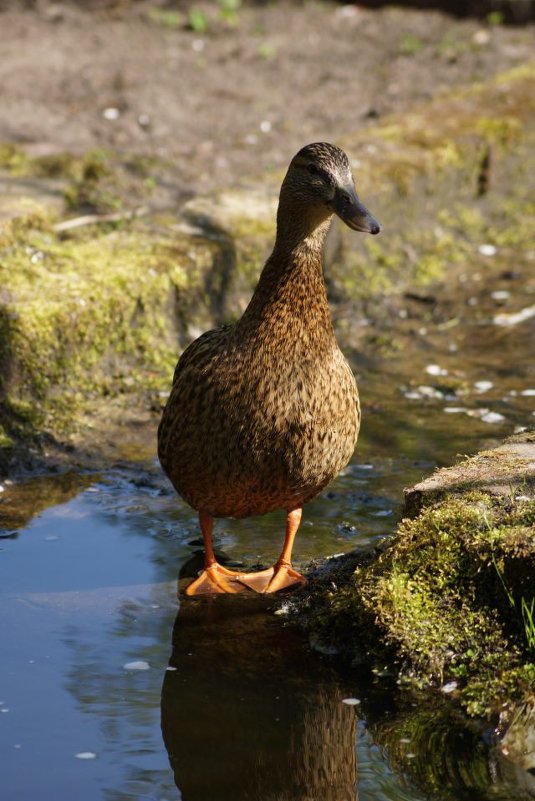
pixel 111 689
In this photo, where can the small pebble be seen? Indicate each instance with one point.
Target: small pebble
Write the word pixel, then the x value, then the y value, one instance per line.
pixel 434 369
pixel 492 417
pixel 198 45
pixel 481 37
pixel 487 250
pixel 455 409
pixel 265 126
pixel 500 294
pixel 111 113
pixel 483 386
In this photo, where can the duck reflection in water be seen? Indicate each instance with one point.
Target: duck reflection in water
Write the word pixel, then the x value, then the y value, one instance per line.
pixel 248 714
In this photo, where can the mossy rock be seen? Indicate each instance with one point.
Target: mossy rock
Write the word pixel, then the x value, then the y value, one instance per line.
pixel 451 600
pixel 97 312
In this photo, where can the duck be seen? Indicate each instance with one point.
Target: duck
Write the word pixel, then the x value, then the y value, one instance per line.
pixel 263 413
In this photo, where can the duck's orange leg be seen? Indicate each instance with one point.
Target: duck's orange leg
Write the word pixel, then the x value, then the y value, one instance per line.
pixel 214 578
pixel 281 575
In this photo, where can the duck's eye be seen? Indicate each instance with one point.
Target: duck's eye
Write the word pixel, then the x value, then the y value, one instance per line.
pixel 313 170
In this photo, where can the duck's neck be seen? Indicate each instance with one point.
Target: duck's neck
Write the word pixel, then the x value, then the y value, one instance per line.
pixel 291 289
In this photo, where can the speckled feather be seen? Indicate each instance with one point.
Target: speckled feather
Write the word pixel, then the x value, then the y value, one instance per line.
pixel 264 413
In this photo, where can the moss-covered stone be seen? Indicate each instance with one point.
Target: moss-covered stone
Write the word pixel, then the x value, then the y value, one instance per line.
pixel 452 599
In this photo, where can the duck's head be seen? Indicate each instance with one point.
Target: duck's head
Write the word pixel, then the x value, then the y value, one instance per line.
pixel 319 179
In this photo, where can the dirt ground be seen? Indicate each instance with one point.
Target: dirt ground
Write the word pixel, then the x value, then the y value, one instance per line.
pixel 222 104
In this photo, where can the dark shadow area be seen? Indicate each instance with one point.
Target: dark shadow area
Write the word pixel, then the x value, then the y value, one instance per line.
pixel 512 12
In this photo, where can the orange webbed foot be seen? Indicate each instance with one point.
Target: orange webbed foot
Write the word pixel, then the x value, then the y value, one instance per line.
pixel 278 577
pixel 215 580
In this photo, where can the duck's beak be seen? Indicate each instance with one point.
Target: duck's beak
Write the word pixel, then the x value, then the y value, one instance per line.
pixel 347 206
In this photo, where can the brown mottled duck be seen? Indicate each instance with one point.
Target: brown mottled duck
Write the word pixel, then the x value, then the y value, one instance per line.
pixel 264 413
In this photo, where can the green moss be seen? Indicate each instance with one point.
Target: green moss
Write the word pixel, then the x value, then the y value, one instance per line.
pixel 436 599
pixel 92 313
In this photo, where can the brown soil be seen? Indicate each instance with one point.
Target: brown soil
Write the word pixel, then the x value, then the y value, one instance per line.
pixel 224 104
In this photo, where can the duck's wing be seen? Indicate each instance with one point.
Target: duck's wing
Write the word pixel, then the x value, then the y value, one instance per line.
pixel 201 351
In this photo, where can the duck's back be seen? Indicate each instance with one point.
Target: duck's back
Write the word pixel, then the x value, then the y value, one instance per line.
pixel 257 420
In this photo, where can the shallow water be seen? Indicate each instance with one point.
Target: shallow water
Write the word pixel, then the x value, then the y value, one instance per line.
pixel 110 689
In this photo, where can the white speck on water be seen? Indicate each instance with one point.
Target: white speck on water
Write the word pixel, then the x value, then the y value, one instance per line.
pixel 383 513
pixel 86 755
pixel 4 709
pixel 154 606
pixel 435 369
pixel 483 386
pixel 516 317
pixel 139 665
pixel 351 701
pixel 449 687
pixel 51 538
pixel 265 126
pixel 500 294
pixel 170 668
pixel 492 417
pixel 364 466
pixel 487 250
pixel 111 113
pixel 17 746
pixel 455 409
pixel 528 393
